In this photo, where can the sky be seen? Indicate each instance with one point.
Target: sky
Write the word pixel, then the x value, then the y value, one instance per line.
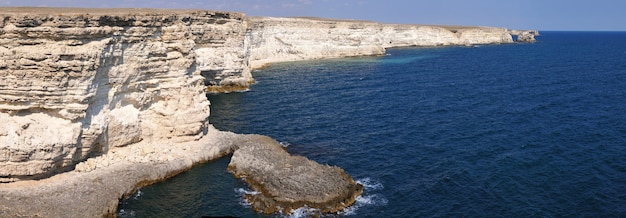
pixel 591 15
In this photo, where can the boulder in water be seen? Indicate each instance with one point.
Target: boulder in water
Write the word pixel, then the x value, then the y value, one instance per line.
pixel 285 183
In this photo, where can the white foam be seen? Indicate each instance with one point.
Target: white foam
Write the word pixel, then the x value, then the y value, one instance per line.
pixel 372 200
pixel 137 194
pixel 361 201
pixel 304 212
pixel 235 91
pixel 245 90
pixel 126 213
pixel 243 191
pixel 368 184
pixel 284 144
pixel 366 199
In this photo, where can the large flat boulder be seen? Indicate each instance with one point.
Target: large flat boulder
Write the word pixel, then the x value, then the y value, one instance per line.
pixel 284 183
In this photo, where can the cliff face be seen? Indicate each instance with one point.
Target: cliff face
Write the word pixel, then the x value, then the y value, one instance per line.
pixel 79 83
pixel 76 85
pixel 288 39
pixel 118 95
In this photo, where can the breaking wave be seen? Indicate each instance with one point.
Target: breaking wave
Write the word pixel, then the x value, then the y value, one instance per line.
pixel 284 144
pixel 138 194
pixel 242 192
pixel 126 213
pixel 368 184
pixel 368 198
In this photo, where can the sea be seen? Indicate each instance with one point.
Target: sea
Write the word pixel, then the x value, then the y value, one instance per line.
pixel 512 130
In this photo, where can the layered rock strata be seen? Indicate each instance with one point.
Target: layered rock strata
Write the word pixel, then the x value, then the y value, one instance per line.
pixel 95 187
pixel 270 39
pixel 286 183
pixel 115 98
pixel 77 85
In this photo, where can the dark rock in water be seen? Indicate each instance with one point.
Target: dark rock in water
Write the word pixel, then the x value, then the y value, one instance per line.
pixel 288 182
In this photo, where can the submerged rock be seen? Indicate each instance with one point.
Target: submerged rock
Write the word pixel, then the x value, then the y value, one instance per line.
pixel 285 183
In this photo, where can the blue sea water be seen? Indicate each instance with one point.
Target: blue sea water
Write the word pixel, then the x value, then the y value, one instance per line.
pixel 516 130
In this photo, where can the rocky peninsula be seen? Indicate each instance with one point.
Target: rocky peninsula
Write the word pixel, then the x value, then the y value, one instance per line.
pixel 96 103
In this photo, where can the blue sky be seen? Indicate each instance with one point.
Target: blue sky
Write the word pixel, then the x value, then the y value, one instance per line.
pixel 514 14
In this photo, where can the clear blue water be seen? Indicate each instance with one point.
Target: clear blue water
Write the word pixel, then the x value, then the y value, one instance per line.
pixel 519 130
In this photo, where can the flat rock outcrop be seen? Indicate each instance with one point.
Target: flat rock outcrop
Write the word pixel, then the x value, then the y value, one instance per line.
pixel 285 183
pixel 95 187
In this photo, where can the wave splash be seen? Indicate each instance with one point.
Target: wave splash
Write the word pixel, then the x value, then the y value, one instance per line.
pixel 367 198
pixel 300 212
pixel 284 144
pixel 126 213
pixel 304 212
pixel 368 184
pixel 241 192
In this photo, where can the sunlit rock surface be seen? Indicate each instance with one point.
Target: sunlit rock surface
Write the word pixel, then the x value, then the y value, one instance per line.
pixel 286 183
pixel 272 39
pixel 98 102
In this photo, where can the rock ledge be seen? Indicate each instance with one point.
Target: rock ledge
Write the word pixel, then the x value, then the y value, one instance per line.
pixel 286 183
pixel 95 187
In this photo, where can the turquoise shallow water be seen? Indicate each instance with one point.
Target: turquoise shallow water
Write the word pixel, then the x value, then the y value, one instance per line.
pixel 517 130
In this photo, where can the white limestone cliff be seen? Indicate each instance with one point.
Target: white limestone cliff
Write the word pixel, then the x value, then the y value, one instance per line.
pixel 271 39
pixel 80 83
pixel 100 92
pixel 525 35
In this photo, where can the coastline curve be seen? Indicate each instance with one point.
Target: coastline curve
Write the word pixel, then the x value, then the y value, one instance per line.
pixel 100 102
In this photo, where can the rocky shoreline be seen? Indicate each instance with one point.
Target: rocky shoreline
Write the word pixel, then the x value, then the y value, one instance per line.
pixel 99 102
pixel 94 188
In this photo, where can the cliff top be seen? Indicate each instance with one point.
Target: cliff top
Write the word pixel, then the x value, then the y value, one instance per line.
pixel 98 11
pixel 452 28
pixel 132 11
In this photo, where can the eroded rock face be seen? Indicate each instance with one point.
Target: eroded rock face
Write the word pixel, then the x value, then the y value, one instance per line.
pixel 286 182
pixel 95 187
pixel 289 39
pixel 86 84
pixel 106 78
pixel 77 83
pixel 525 35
